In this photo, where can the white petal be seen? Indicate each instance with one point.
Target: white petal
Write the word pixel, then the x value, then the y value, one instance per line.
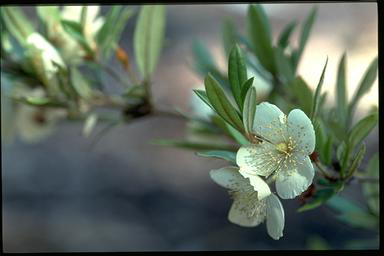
pixel 229 177
pixel 258 184
pixel 247 213
pixel 261 159
pixel 300 129
pixel 275 217
pixel 292 182
pixel 270 122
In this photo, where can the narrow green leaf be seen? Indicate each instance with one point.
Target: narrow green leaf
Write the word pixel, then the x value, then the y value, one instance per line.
pixel 341 91
pixel 17 23
pixel 222 154
pixel 283 65
pixel 236 135
pixel 260 35
pixel 75 30
pixel 371 190
pixel 304 35
pixel 220 102
pixel 356 160
pixel 245 87
pixel 359 220
pixel 328 150
pixel 364 86
pixel 320 197
pixel 249 110
pixel 343 205
pixel 148 38
pixel 203 96
pixel 237 73
pixel 110 19
pixel 362 129
pixel 284 36
pixel 80 84
pixel 83 15
pixel 47 13
pixel 193 145
pixel 303 94
pixel 320 137
pixel 317 92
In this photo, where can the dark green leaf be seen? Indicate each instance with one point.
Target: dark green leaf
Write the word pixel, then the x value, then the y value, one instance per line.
pixel 148 38
pixel 341 91
pixel 260 35
pixel 222 105
pixel 359 220
pixel 362 129
pixel 105 30
pixel 317 92
pixel 303 94
pixel 343 205
pixel 328 150
pixel 364 86
pixel 283 65
pixel 226 155
pixel 249 110
pixel 193 145
pixel 357 160
pixel 80 84
pixel 237 73
pixel 285 34
pixel 245 87
pixel 203 96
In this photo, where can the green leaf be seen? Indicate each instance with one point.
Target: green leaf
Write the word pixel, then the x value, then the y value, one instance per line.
pixel 105 31
pixel 221 104
pixel 320 197
pixel 371 190
pixel 228 35
pixel 245 87
pixel 260 35
pixel 148 38
pixel 237 136
pixel 193 145
pixel 362 129
pixel 249 110
pixel 80 85
pixel 48 13
pixel 364 86
pixel 237 73
pixel 83 15
pixel 303 94
pixel 317 243
pixel 283 66
pixel 341 91
pixel 222 154
pixel 317 92
pixel 359 220
pixel 17 23
pixel 75 30
pixel 328 150
pixel 320 138
pixel 356 160
pixel 304 35
pixel 284 36
pixel 203 96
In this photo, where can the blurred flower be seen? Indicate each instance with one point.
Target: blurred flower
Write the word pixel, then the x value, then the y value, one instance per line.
pixel 283 152
pixel 250 207
pixel 49 55
pixel 34 123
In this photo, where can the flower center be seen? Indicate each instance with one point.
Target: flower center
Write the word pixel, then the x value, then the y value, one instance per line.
pixel 282 147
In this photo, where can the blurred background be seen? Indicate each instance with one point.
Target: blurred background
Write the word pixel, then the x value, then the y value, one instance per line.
pixel 124 194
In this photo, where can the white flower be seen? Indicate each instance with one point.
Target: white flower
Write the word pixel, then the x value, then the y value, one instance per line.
pixel 250 207
pixel 48 54
pixel 284 151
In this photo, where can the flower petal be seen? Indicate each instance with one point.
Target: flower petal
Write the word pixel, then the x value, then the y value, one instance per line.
pixel 270 122
pixel 258 184
pixel 295 180
pixel 300 129
pixel 247 213
pixel 275 217
pixel 229 177
pixel 261 159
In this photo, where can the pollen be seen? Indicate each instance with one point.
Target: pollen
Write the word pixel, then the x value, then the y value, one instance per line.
pixel 282 147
